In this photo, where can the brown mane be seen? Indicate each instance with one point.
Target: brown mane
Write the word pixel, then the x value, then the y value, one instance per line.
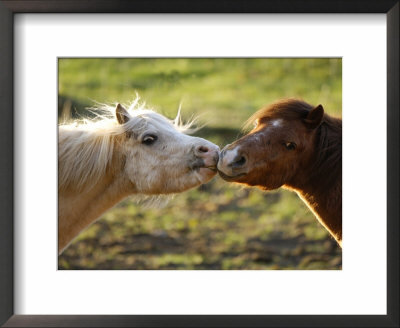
pixel 328 162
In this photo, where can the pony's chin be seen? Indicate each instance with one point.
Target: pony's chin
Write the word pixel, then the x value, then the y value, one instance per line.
pixel 230 178
pixel 206 173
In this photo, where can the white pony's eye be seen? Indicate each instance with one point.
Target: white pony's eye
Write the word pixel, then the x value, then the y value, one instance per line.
pixel 149 139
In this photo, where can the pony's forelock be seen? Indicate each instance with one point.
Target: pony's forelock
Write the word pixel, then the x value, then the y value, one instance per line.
pixel 287 108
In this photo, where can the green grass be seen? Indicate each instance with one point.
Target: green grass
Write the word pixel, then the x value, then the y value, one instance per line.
pixel 220 90
pixel 218 225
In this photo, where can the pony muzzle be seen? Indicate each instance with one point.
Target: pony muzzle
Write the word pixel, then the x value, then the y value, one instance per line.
pixel 206 156
pixel 232 163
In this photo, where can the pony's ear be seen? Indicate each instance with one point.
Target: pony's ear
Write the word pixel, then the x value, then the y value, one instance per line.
pixel 122 114
pixel 314 117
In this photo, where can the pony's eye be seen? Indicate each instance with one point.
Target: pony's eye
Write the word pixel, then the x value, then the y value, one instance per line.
pixel 290 145
pixel 149 139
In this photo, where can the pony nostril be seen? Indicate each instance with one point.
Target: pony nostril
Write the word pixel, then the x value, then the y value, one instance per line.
pixel 239 161
pixel 202 149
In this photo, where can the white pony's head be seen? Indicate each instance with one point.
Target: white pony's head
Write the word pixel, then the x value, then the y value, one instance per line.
pixel 159 157
pixel 145 151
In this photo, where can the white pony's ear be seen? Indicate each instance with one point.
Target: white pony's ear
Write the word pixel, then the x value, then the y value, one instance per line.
pixel 122 114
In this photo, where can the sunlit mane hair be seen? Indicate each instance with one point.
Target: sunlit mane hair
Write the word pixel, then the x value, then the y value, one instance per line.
pixel 86 146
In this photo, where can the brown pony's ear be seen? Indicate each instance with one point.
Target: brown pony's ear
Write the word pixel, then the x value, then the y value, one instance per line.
pixel 122 114
pixel 314 117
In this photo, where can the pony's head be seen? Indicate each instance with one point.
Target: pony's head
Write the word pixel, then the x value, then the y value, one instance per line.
pixel 148 153
pixel 277 150
pixel 159 157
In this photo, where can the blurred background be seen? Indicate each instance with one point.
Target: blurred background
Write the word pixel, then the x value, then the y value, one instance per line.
pixel 217 225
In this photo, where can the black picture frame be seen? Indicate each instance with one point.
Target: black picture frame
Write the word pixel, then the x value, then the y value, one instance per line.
pixel 11 7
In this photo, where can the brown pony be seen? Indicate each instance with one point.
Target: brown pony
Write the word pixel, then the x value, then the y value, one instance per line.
pixel 295 146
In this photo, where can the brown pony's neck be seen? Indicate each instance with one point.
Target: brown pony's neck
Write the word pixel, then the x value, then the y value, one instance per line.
pixel 326 207
pixel 320 183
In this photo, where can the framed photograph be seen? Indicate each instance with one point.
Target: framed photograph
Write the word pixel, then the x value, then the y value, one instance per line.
pixel 135 190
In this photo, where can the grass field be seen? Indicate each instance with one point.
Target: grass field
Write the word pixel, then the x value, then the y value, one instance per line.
pixel 218 225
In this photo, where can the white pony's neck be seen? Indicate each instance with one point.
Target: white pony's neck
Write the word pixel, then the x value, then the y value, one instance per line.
pixel 90 179
pixel 78 210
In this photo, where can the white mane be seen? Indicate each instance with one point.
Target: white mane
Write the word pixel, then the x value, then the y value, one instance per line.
pixel 86 147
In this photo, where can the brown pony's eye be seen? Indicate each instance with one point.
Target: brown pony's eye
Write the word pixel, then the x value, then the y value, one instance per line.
pixel 149 139
pixel 290 145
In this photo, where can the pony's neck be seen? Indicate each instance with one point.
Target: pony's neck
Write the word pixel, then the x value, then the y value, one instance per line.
pixel 320 184
pixel 79 209
pixel 327 206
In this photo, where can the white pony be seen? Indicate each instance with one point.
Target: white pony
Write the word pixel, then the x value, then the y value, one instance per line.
pixel 124 152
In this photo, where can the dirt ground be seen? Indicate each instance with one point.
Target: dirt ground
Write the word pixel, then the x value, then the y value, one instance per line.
pixel 226 233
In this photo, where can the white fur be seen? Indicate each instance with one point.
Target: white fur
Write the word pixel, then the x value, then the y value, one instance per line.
pixel 277 123
pixel 86 148
pixel 228 158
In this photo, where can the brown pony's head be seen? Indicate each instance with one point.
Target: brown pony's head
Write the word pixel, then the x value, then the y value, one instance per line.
pixel 278 150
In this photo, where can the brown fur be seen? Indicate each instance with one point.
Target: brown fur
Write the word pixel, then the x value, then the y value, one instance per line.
pixel 313 169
